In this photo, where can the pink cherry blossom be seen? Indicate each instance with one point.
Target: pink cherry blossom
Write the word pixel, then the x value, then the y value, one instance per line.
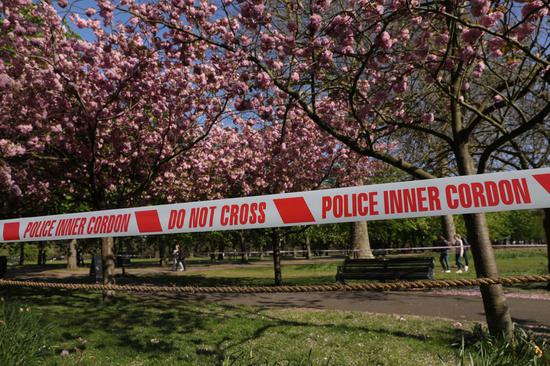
pixel 314 23
pixel 385 40
pixel 90 11
pixel 5 81
pixel 480 7
pixel 428 117
pixel 470 36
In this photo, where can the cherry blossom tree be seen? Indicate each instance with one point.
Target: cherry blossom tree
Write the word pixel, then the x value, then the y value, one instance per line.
pixel 371 72
pixel 97 121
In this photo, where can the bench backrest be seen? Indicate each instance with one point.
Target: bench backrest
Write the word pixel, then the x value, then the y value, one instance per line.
pixel 387 268
pixel 391 262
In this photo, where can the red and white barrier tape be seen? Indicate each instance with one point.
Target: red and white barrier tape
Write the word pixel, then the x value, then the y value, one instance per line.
pixel 526 189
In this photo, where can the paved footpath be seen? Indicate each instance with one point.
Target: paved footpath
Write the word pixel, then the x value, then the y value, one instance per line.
pixel 534 313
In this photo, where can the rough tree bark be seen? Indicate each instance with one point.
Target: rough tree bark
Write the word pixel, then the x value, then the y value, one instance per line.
pixel 276 243
pixel 448 224
pixel 360 240
pixel 71 255
pixel 108 259
pixel 496 308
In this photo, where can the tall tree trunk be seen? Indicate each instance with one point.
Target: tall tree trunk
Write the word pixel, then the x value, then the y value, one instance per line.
pixel 162 253
pixel 276 242
pixel 546 223
pixel 496 308
pixel 21 254
pixel 40 254
pixel 71 255
pixel 448 224
pixel 261 251
pixel 108 259
pixel 494 301
pixel 360 240
pixel 308 246
pixel 157 252
pixel 242 243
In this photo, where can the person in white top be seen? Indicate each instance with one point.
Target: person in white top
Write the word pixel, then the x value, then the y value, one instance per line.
pixel 177 255
pixel 459 253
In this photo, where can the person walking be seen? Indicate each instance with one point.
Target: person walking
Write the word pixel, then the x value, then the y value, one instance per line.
pixel 181 259
pixel 444 253
pixel 178 265
pixel 465 256
pixel 459 253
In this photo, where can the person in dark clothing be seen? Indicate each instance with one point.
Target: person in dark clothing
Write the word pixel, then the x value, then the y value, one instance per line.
pixel 79 257
pixel 444 253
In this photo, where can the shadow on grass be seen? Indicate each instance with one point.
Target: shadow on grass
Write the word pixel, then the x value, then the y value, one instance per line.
pixel 131 323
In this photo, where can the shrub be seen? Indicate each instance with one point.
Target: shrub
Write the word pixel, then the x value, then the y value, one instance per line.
pixel 23 337
pixel 524 349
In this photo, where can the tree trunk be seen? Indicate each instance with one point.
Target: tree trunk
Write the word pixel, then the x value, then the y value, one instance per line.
pixel 108 259
pixel 242 245
pixel 157 253
pixel 71 255
pixel 360 240
pixel 494 301
pixel 448 225
pixel 496 308
pixel 261 251
pixel 546 223
pixel 21 254
pixel 40 254
pixel 308 246
pixel 162 253
pixel 276 242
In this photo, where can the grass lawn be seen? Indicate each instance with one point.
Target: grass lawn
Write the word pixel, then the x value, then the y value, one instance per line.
pixel 510 262
pixel 134 330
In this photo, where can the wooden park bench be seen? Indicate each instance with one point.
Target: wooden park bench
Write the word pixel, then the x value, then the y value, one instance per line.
pixel 399 268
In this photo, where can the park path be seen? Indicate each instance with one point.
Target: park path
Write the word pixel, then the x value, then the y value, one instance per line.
pixel 530 312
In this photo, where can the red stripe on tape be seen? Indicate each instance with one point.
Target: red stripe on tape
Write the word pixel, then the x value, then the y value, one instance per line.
pixel 148 221
pixel 293 210
pixel 544 180
pixel 11 231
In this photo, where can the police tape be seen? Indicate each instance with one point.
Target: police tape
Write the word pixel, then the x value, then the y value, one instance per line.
pixel 515 190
